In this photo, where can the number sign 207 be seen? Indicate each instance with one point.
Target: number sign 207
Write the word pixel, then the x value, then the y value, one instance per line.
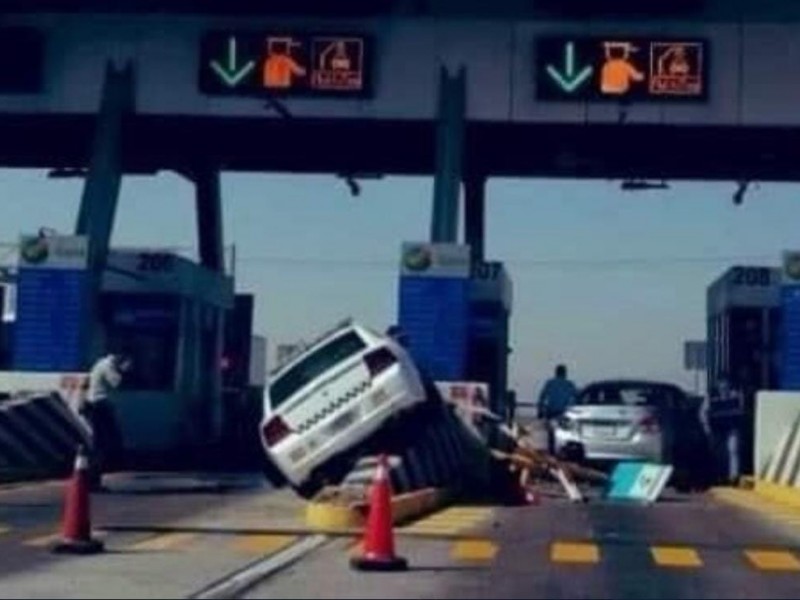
pixel 487 270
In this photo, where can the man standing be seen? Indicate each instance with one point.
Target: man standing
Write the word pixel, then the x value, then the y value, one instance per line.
pixel 105 376
pixel 557 395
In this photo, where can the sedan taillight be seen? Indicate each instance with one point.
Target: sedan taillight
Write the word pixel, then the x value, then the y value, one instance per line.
pixel 275 431
pixel 649 425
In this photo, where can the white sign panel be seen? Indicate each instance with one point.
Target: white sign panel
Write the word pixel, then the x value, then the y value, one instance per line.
pixel 470 397
pixel 53 252
pixel 421 259
pixel 694 355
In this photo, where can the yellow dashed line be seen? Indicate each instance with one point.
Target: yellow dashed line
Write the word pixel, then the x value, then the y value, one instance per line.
pixel 474 551
pixel 169 541
pixel 263 544
pixel 450 521
pixel 669 556
pixel 773 560
pixel 563 552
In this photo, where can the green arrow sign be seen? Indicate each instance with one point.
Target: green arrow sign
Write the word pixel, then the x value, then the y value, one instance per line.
pixel 569 80
pixel 232 74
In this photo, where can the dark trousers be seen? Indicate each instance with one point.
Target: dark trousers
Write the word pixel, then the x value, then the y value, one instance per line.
pixel 107 441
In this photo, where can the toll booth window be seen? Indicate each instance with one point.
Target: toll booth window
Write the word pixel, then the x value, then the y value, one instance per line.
pixel 635 395
pixel 146 328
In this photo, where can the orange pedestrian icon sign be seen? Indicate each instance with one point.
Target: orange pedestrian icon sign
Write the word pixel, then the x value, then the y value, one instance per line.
pixel 281 67
pixel 619 72
pixel 676 68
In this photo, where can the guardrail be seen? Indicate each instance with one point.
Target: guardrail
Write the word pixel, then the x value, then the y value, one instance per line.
pixel 39 436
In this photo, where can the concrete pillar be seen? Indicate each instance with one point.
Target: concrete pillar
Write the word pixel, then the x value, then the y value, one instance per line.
pixel 449 156
pixel 475 216
pixel 208 199
pixel 100 196
pixel 211 248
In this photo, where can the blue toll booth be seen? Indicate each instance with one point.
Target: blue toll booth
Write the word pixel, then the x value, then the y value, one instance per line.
pixel 51 324
pixel 163 309
pixel 434 303
pixel 490 302
pixel 790 322
pixel 745 332
pixel 456 317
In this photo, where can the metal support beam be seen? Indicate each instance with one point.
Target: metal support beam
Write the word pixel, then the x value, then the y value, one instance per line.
pixel 210 241
pixel 100 196
pixel 209 218
pixel 475 216
pixel 101 191
pixel 449 156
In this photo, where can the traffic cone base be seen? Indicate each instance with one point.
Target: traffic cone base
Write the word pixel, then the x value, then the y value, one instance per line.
pixel 79 547
pixel 379 564
pixel 377 549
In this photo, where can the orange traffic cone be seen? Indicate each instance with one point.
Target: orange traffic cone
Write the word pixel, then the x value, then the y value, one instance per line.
pixel 77 528
pixel 378 546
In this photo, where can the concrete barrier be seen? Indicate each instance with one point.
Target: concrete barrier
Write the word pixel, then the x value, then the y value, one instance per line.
pixel 39 436
pixel 777 447
pixel 343 515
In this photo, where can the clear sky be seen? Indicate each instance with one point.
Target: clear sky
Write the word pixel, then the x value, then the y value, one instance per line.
pixel 609 282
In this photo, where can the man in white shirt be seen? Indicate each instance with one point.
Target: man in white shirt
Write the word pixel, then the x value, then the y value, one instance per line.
pixel 105 376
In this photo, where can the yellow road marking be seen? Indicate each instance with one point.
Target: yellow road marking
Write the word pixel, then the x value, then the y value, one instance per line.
pixel 450 521
pixel 773 560
pixel 433 529
pixel 263 544
pixel 574 553
pixel 168 541
pixel 449 517
pixel 474 551
pixel 671 556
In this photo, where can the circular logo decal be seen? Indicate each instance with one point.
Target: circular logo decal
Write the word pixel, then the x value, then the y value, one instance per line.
pixel 793 266
pixel 35 250
pixel 418 258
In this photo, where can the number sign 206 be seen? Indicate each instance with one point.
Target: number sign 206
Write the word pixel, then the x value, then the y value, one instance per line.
pixel 155 262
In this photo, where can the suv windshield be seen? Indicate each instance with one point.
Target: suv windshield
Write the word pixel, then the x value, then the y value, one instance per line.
pixel 625 395
pixel 313 366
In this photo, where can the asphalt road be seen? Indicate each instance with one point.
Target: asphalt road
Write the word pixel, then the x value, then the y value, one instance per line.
pixel 171 537
pixel 681 548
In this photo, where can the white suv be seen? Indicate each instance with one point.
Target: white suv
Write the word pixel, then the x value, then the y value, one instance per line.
pixel 333 397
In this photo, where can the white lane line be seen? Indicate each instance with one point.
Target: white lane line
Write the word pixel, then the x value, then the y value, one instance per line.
pixel 232 586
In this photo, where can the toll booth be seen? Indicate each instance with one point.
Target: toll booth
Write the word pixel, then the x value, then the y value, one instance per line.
pixel 744 337
pixel 162 310
pixel 455 317
pixel 488 335
pixel 244 362
pixel 434 307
